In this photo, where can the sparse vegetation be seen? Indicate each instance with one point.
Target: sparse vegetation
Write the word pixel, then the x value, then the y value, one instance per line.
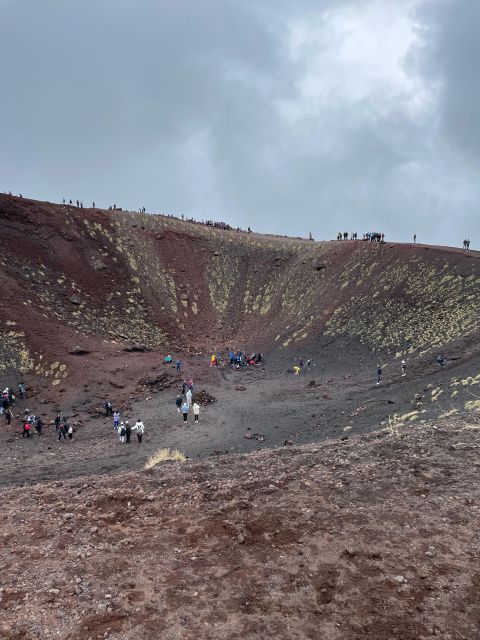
pixel 165 455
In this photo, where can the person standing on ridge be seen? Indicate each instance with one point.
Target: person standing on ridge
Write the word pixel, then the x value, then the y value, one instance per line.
pixel 178 365
pixel 404 368
pixel 379 373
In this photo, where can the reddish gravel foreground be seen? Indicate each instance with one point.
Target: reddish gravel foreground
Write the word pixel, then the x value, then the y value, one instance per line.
pixel 371 537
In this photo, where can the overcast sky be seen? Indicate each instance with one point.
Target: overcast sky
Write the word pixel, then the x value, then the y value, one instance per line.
pixel 289 116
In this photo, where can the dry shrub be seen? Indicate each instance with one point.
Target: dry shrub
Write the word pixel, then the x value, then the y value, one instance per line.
pixel 164 455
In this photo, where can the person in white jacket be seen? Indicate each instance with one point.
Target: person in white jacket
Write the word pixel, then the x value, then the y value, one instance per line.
pixel 189 397
pixel 140 429
pixel 196 411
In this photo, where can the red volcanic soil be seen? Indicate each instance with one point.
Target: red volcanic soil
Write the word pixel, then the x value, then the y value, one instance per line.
pixel 352 512
pixel 93 300
pixel 374 537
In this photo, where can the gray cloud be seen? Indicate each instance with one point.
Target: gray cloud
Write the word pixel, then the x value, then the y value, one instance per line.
pixel 288 117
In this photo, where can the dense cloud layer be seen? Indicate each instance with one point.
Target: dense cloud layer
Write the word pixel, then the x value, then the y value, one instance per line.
pixel 289 117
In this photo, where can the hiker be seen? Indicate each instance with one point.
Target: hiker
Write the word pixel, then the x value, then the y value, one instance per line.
pixel 59 427
pixel 122 433
pixel 231 356
pixel 379 374
pixel 70 431
pixel 8 417
pixel 415 238
pixel 404 368
pixel 300 364
pixel 21 390
pixel 178 402
pixel 116 420
pixel 190 384
pixel 441 360
pixel 296 370
pixel 184 386
pixel 168 359
pixel 57 421
pixel 309 362
pixel 39 426
pixel 188 396
pixel 108 408
pixel 178 365
pixel 185 410
pixel 213 360
pixel 139 427
pixel 196 411
pixel 26 429
pixel 128 432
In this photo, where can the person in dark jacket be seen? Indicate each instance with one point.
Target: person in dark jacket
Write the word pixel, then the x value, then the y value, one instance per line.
pixel 128 432
pixel 178 402
pixel 8 417
pixel 108 409
pixel 39 426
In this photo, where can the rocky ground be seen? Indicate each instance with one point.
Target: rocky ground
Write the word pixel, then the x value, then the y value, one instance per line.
pixel 371 537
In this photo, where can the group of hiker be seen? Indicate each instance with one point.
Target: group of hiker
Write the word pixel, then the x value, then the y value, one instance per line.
pixel 124 429
pixel 239 360
pixel 168 360
pixel 371 236
pixel 63 428
pixel 298 368
pixel 8 400
pixel 403 365
pixel 184 401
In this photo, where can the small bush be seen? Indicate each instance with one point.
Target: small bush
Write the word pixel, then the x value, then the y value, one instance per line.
pixel 163 455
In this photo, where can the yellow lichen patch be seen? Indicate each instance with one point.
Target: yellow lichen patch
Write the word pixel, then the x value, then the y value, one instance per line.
pixel 472 405
pixel 436 393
